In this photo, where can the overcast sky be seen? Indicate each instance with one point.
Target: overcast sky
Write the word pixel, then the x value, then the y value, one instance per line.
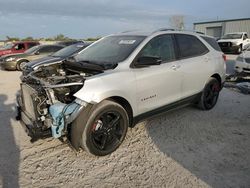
pixel 91 18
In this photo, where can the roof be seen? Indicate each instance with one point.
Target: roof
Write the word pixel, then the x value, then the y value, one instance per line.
pixel 217 21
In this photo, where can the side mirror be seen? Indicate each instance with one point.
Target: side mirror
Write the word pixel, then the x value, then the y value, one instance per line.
pixel 37 53
pixel 146 61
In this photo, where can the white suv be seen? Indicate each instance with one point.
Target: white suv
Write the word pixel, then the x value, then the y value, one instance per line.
pixel 116 82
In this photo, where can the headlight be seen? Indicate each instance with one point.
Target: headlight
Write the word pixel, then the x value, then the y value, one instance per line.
pixel 234 43
pixel 10 59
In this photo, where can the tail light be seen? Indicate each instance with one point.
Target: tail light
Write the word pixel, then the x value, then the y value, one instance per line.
pixel 224 57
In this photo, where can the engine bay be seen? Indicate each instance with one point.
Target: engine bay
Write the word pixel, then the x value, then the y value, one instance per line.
pixel 47 96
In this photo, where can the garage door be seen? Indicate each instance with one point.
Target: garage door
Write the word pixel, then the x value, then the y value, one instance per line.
pixel 214 31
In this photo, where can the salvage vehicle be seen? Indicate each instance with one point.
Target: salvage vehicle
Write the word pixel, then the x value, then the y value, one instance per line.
pixel 91 100
pixel 58 56
pixel 242 63
pixel 17 47
pixel 18 61
pixel 234 42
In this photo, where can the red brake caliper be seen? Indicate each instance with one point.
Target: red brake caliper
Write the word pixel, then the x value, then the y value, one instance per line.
pixel 216 88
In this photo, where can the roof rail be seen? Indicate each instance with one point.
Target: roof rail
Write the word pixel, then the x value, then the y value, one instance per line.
pixel 128 31
pixel 199 32
pixel 170 29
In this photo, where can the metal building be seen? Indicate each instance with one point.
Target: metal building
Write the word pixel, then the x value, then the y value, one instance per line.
pixel 221 27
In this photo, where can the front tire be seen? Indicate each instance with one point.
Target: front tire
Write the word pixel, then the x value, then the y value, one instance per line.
pixel 104 130
pixel 21 64
pixel 239 49
pixel 209 95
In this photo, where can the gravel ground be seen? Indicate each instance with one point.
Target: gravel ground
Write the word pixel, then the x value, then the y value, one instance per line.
pixel 183 148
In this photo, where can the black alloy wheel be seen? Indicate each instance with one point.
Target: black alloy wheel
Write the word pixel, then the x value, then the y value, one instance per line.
pixel 210 94
pixel 107 130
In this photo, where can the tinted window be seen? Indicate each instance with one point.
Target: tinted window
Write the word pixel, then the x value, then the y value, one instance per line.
pixel 212 42
pixel 110 49
pixel 20 46
pixel 68 51
pixel 232 36
pixel 245 37
pixel 49 49
pixel 32 50
pixel 190 46
pixel 160 46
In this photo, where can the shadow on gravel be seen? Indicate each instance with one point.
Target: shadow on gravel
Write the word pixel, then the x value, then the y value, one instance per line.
pixel 211 145
pixel 9 151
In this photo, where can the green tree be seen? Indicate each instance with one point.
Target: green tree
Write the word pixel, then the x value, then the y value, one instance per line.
pixel 28 39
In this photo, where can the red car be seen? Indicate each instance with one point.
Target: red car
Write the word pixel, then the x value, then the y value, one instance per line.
pixel 17 47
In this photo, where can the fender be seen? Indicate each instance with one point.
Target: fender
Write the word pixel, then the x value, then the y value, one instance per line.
pixel 117 84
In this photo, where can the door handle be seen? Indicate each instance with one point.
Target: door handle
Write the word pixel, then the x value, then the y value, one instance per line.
pixel 175 67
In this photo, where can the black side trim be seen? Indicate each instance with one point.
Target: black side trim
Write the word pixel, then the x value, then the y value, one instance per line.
pixel 183 102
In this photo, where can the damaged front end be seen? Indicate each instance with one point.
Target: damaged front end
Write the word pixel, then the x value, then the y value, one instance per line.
pixel 46 105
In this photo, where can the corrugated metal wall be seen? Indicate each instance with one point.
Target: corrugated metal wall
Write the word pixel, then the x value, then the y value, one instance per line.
pixel 238 26
pixel 226 26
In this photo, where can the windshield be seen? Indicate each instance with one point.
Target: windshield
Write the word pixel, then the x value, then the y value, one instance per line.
pixel 68 51
pixel 112 49
pixel 232 36
pixel 31 50
pixel 7 46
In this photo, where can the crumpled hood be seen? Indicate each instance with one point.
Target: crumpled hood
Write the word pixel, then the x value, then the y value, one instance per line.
pixel 44 60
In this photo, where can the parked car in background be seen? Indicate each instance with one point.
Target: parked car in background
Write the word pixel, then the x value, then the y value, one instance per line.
pixel 242 63
pixel 17 47
pixel 68 43
pixel 17 61
pixel 118 81
pixel 234 42
pixel 56 57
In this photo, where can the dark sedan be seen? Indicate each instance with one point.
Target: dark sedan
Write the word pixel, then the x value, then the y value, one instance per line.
pixel 58 56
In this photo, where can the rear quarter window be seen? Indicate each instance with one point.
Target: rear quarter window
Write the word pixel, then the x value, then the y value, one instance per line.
pixel 190 46
pixel 212 42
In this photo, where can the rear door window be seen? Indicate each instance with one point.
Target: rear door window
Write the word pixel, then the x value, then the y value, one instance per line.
pixel 190 46
pixel 212 42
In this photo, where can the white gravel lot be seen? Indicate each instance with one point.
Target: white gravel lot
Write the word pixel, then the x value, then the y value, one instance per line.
pixel 183 148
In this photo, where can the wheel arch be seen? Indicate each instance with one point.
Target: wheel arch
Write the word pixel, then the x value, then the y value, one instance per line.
pixel 20 61
pixel 125 104
pixel 217 77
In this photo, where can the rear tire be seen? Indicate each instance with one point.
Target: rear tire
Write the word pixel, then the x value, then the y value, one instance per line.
pixel 209 95
pixel 103 130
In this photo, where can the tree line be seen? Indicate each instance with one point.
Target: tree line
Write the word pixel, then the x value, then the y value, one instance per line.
pixel 59 37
